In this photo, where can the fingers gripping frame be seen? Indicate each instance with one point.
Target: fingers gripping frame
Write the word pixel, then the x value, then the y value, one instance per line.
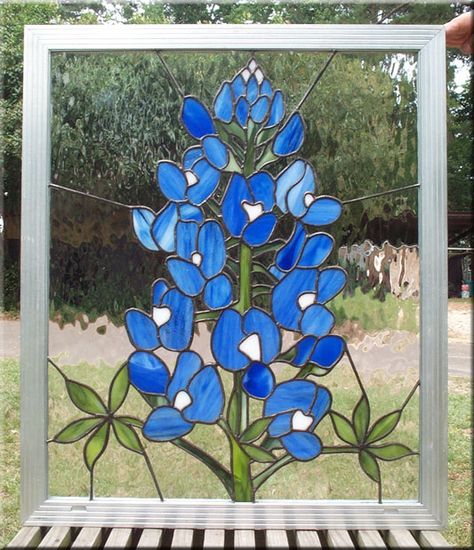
pixel 36 506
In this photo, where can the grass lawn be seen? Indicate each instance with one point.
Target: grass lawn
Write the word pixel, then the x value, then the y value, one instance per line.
pixel 327 477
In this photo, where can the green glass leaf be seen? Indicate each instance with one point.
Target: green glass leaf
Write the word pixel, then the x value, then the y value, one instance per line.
pixel 131 420
pixel 233 413
pixel 384 426
pixel 361 418
pixel 118 388
pixel 85 398
pixel 258 454
pixel 391 451
pixel 77 430
pixel 369 465
pixel 127 437
pixel 343 428
pixel 96 445
pixel 255 430
pixel 271 443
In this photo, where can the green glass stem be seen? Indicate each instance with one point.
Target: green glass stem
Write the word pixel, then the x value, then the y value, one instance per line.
pixel 241 474
pixel 245 287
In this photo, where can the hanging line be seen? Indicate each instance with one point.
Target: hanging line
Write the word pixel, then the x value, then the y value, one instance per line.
pixel 382 193
pixel 89 195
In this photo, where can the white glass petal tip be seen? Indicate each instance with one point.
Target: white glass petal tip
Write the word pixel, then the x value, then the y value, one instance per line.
pixel 245 74
pixel 252 65
pixel 300 421
pixel 161 315
pixel 196 258
pixel 182 400
pixel 309 198
pixel 191 178
pixel 253 211
pixel 307 299
pixel 259 76
pixel 251 347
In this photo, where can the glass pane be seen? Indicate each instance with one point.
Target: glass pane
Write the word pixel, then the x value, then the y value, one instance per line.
pixel 233 313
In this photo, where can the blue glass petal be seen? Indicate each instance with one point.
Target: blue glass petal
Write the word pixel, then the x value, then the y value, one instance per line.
pixel 177 333
pixel 291 396
pixel 142 219
pixel 207 397
pixel 147 372
pixel 160 287
pixel 187 365
pixel 281 425
pixel 287 257
pixel 259 231
pixel 242 111
pixel 258 380
pixel 289 177
pixel 252 89
pixel 317 320
pixel 191 155
pixel 321 405
pixel 216 152
pixel 276 272
pixel 188 212
pixel 208 180
pixel 171 180
pixel 225 341
pixel 277 110
pixel 316 250
pixel 196 118
pixel 285 305
pixel 328 351
pixel 186 239
pixel 164 226
pixel 323 211
pixel 166 424
pixel 238 86
pixel 186 276
pixel 218 292
pixel 211 245
pixel 331 281
pixel 263 189
pixel 234 216
pixel 258 322
pixel 290 138
pixel 296 195
pixel 259 109
pixel 304 349
pixel 223 103
pixel 266 88
pixel 142 330
pixel 302 445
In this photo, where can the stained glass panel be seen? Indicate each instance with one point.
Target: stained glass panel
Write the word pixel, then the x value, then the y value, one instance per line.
pixel 230 316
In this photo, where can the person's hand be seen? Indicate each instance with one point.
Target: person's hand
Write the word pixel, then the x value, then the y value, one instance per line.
pixel 459 32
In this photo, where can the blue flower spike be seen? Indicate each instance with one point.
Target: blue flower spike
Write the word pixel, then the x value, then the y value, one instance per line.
pixel 195 395
pixel 170 324
pixel 250 343
pixel 249 97
pixel 298 406
pixel 247 208
pixel 323 353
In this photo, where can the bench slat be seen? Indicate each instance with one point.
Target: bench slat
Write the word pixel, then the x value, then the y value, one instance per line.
pixel 150 538
pixel 88 537
pixel 214 538
pixel 27 537
pixel 433 539
pixel 276 538
pixel 56 537
pixel 307 539
pixel 119 538
pixel 244 538
pixel 182 538
pixel 369 539
pixel 337 538
pixel 401 538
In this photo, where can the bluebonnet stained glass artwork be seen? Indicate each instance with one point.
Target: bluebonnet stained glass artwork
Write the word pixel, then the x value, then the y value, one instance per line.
pixel 224 205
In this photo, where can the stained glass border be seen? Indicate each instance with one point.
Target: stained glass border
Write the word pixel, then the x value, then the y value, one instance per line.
pixel 36 506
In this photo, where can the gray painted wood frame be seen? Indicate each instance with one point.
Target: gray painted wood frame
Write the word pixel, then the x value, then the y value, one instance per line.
pixel 37 507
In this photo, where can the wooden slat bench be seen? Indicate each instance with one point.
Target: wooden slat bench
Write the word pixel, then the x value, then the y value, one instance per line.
pixel 96 537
